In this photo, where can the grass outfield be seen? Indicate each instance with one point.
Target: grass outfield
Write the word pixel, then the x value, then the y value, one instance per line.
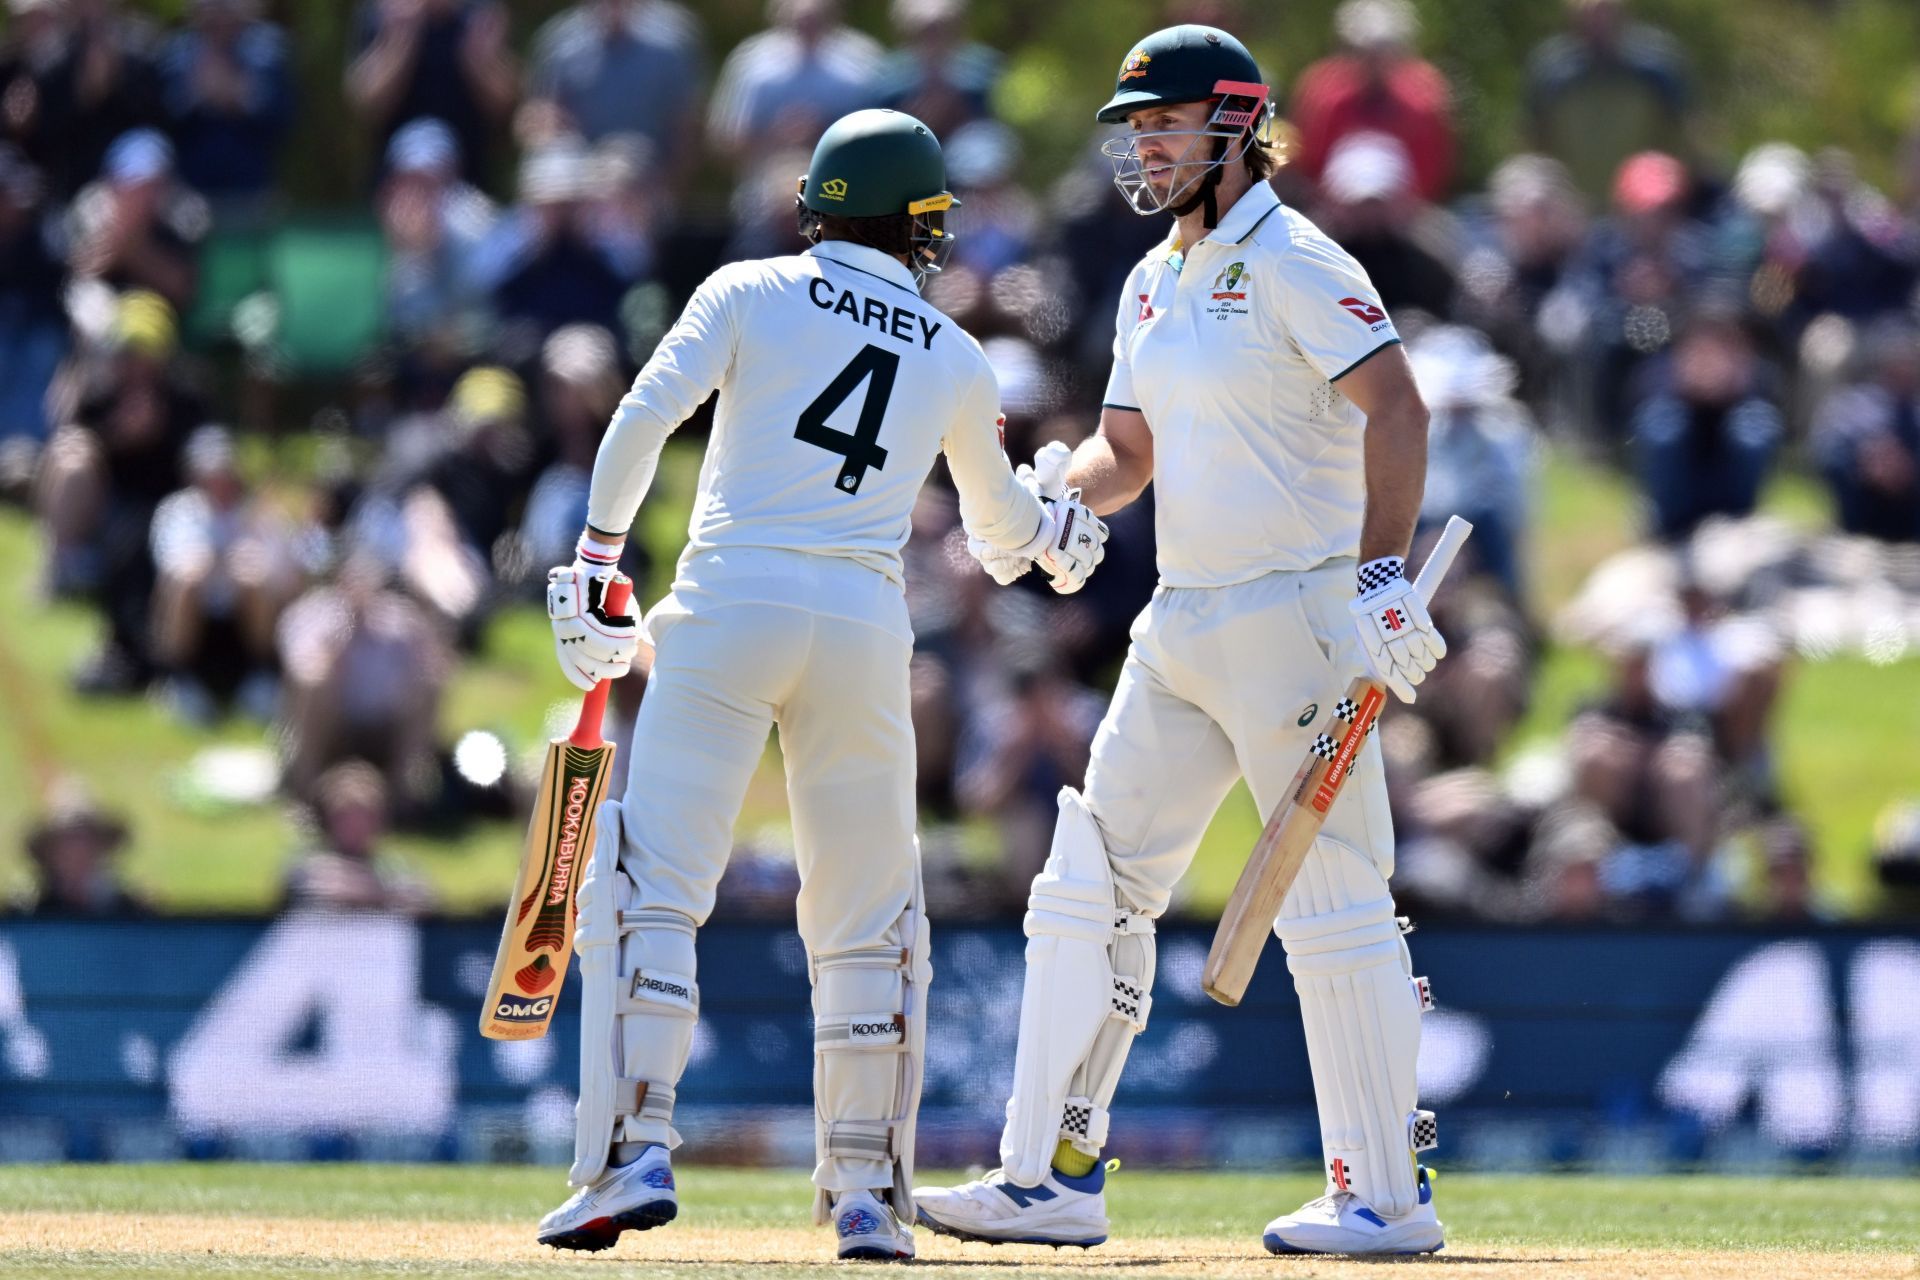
pixel 385 1220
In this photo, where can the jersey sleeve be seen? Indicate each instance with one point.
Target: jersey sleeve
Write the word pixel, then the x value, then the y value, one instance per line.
pixel 690 364
pixel 994 506
pixel 1331 310
pixel 1120 393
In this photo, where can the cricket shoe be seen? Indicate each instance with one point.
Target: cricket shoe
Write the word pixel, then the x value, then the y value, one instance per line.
pixel 1341 1222
pixel 867 1229
pixel 633 1197
pixel 1060 1209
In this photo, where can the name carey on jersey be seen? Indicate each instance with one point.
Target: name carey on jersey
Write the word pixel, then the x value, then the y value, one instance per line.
pixel 896 322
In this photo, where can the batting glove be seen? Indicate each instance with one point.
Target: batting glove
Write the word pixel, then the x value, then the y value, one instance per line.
pixel 592 644
pixel 1076 543
pixel 1397 635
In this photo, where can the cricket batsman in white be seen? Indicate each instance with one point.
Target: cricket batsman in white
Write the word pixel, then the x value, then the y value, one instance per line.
pixel 1259 384
pixel 838 386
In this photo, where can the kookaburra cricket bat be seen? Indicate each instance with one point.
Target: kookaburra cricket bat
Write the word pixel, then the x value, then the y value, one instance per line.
pixel 537 938
pixel 1290 832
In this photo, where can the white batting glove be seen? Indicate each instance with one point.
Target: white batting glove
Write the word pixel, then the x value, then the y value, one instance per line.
pixel 1400 640
pixel 1076 543
pixel 1045 479
pixel 592 644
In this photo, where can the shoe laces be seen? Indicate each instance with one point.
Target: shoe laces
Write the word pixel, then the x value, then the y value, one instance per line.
pixel 1334 1200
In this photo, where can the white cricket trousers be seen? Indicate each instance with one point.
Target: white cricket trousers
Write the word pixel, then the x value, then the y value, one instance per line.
pixel 722 677
pixel 1229 682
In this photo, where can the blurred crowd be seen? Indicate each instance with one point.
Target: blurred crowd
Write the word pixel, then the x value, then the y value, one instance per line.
pixel 1696 321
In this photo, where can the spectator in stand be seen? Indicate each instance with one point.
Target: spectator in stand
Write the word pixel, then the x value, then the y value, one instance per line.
pixel 365 668
pixel 548 263
pixel 1867 437
pixel 1705 437
pixel 608 67
pixel 434 225
pixel 1720 673
pixel 937 75
pixel 580 384
pixel 345 870
pixel 129 408
pixel 778 90
pixel 1642 265
pixel 1649 778
pixel 226 567
pixel 1604 90
pixel 1480 447
pixel 442 58
pixel 33 318
pixel 1377 84
pixel 1003 220
pixel 75 75
pixel 1371 208
pixel 138 228
pixel 75 849
pixel 1519 285
pixel 1015 752
pixel 228 91
pixel 1847 249
pixel 449 485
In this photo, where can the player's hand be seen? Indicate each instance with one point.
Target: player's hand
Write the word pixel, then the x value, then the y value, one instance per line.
pixel 1076 542
pixel 593 644
pixel 1004 567
pixel 1399 638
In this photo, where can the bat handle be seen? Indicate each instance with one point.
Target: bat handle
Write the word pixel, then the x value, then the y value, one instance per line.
pixel 1440 559
pixel 586 730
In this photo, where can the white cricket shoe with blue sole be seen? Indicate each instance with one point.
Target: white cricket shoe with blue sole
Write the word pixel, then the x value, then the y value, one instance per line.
pixel 633 1197
pixel 868 1230
pixel 1061 1210
pixel 1341 1222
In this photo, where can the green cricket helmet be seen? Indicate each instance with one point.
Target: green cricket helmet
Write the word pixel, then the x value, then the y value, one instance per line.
pixel 882 164
pixel 1188 63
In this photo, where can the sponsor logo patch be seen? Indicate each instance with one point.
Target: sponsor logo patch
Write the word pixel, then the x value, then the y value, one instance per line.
pixel 833 189
pixel 512 1008
pixel 1306 717
pixel 876 1031
pixel 1366 311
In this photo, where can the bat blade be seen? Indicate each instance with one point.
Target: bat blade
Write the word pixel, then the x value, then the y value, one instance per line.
pixel 536 941
pixel 1282 848
pixel 1289 834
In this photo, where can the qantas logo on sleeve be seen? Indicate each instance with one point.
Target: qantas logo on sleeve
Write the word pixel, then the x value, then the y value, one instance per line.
pixel 1368 313
pixel 1146 310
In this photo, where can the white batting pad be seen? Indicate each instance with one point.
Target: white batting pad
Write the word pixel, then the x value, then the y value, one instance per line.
pixel 869 1040
pixel 638 1004
pixel 1072 991
pixel 1362 1016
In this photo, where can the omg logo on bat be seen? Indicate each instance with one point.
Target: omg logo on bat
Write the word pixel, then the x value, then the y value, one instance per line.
pixel 512 1008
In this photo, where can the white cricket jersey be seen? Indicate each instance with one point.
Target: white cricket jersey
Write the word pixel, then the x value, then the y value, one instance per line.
pixel 1233 352
pixel 838 387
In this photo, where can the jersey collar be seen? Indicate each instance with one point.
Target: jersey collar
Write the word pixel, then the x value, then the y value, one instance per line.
pixel 1248 212
pixel 865 258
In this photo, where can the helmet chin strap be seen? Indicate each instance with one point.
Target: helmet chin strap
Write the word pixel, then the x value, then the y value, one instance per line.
pixel 1210 184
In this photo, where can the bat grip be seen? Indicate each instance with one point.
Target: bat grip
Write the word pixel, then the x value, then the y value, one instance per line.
pixel 1440 559
pixel 586 730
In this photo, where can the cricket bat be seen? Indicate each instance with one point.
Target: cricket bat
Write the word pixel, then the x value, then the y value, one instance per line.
pixel 537 939
pixel 1283 846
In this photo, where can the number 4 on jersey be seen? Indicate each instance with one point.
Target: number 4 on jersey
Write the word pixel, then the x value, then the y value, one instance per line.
pixel 861 449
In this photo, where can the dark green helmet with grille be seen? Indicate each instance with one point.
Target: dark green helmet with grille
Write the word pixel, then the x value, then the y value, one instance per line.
pixel 1188 63
pixel 882 164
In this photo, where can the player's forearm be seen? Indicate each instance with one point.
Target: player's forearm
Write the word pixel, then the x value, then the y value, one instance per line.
pixel 1108 474
pixel 1396 467
pixel 623 471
